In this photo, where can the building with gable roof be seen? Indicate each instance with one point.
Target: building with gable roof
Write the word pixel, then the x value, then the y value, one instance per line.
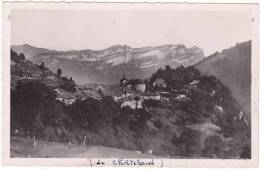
pixel 159 82
pixel 65 97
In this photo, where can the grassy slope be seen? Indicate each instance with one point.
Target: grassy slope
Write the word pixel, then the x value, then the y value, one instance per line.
pixel 21 147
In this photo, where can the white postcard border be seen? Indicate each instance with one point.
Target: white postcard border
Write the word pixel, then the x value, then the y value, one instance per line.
pixel 94 6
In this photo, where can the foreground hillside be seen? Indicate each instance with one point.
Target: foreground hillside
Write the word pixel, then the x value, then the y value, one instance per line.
pixel 233 67
pixel 107 66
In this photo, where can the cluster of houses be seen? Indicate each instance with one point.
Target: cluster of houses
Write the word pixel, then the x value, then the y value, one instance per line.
pixel 69 98
pixel 134 92
pixel 35 75
pixel 63 96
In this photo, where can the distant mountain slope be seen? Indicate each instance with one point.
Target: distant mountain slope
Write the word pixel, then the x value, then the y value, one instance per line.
pixel 29 51
pixel 233 67
pixel 23 70
pixel 106 66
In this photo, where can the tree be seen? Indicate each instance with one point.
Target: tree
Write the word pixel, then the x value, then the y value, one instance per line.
pixel 14 55
pixel 187 143
pixel 93 114
pixel 246 152
pixel 67 84
pixel 21 56
pixel 42 66
pixel 213 147
pixel 28 100
pixel 34 108
pixel 59 72
pixel 168 68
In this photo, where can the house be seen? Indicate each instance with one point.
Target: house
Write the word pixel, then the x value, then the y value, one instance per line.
pixel 179 97
pixel 165 94
pixel 93 94
pixel 49 77
pixel 80 95
pixel 213 93
pixel 151 95
pixel 194 82
pixel 165 99
pixel 125 95
pixel 117 98
pixel 65 97
pixel 218 108
pixel 35 76
pixel 133 104
pixel 159 82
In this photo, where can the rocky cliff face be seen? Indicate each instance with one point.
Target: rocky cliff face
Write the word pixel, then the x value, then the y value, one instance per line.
pixel 107 66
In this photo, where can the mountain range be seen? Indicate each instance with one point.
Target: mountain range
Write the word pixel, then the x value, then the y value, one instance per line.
pixel 107 66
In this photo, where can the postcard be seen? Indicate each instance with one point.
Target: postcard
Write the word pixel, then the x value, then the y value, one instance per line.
pixel 130 84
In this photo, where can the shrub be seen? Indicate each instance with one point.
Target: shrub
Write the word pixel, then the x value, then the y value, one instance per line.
pixel 94 114
pixel 68 85
pixel 214 146
pixel 187 142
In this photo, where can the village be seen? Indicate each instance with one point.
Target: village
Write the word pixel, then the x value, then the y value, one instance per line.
pixel 127 93
pixel 130 92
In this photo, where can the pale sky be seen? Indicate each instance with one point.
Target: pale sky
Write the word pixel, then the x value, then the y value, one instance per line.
pixel 93 29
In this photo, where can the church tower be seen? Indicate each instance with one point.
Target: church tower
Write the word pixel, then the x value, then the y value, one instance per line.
pixel 123 81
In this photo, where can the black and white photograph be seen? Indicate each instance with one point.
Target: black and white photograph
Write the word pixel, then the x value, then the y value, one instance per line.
pixel 136 81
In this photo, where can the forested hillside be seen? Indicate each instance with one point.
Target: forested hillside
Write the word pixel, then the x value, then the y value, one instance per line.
pixel 233 67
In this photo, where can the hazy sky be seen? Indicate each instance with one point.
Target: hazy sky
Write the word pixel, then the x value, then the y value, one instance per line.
pixel 92 29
